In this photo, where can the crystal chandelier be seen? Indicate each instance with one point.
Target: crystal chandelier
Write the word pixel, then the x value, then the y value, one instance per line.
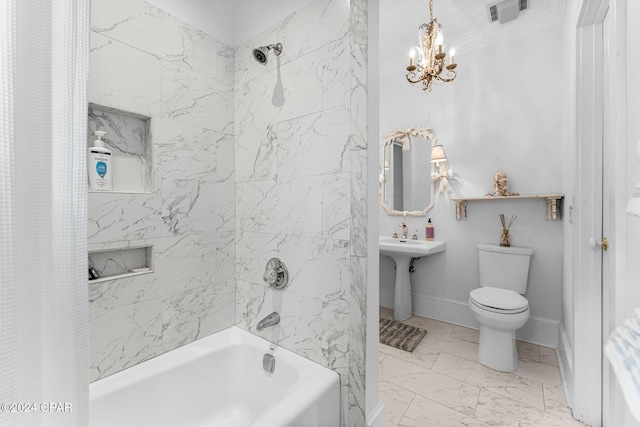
pixel 427 61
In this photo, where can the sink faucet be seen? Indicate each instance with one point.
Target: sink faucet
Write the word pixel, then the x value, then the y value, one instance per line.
pixel 405 230
pixel 270 320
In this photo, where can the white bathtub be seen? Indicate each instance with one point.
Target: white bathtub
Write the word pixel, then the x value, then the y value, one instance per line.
pixel 219 381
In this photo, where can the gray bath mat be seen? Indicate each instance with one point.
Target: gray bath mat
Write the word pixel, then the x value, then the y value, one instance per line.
pixel 399 335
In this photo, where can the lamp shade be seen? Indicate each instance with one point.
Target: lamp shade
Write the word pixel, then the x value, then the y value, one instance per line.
pixel 437 154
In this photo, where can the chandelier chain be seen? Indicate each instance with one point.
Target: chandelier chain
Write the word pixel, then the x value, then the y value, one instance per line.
pixel 431 9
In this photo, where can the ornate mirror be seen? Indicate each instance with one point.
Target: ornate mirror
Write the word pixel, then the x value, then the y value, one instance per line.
pixel 406 185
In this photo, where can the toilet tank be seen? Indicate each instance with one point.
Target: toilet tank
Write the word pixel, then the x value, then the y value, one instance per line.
pixel 504 267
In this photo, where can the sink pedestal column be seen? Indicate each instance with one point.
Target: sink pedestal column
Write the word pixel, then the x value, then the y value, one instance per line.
pixel 402 308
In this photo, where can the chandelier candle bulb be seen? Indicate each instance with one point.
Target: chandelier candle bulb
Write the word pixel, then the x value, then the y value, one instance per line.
pixel 452 52
pixel 412 55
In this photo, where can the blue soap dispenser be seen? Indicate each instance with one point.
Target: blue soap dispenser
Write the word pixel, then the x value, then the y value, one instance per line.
pixel 99 165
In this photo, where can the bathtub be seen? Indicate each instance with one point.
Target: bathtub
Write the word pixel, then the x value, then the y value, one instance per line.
pixel 219 381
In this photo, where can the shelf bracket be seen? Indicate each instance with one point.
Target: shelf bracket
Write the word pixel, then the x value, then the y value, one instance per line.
pixel 553 208
pixel 461 210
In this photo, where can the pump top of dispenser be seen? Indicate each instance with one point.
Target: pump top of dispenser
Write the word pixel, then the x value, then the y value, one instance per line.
pixel 99 142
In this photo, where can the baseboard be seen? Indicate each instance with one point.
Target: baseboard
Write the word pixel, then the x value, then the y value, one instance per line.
pixel 375 419
pixel 565 363
pixel 538 330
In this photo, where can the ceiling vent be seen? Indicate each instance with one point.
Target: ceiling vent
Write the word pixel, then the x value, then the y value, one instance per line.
pixel 507 10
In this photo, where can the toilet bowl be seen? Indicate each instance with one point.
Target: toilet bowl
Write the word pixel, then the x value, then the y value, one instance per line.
pixel 498 304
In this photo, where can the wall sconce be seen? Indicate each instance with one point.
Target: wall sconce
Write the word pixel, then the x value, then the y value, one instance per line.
pixel 441 173
pixel 437 155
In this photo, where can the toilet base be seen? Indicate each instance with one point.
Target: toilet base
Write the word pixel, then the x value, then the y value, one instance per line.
pixel 497 349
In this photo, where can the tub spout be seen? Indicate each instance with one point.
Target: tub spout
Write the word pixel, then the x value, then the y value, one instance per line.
pixel 270 320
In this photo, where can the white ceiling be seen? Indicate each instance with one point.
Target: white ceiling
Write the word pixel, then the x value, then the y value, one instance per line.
pixel 232 21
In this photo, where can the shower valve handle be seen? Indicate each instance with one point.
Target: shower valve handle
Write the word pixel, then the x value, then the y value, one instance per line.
pixel 276 274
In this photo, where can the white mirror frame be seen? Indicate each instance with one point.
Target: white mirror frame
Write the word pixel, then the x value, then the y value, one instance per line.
pixel 389 139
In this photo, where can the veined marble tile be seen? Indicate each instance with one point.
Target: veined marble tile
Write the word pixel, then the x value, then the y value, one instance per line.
pixel 507 384
pixel 152 30
pixel 316 328
pixel 318 268
pixel 306 30
pixel 255 154
pixel 358 185
pixel 185 152
pixel 117 293
pixel 246 68
pixel 359 96
pixel 225 153
pixel 448 391
pixel 185 262
pixel 548 355
pixel 528 351
pixel 117 217
pixel 317 24
pixel 467 334
pixel 425 412
pixel 396 401
pixel 422 355
pixel 336 212
pixel 336 74
pixel 123 77
pixel 191 98
pixel 128 139
pixel 289 207
pixel 197 207
pixel 497 410
pixel 461 348
pixel 196 313
pixel 225 63
pixel 288 91
pixel 314 144
pixel 543 372
pixel 357 341
pixel 359 21
pixel 124 337
pixel 225 247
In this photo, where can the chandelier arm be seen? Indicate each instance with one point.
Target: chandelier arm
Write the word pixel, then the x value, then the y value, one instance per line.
pixel 447 80
pixel 417 79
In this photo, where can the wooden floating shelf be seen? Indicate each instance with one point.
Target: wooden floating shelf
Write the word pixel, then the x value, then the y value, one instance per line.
pixel 553 203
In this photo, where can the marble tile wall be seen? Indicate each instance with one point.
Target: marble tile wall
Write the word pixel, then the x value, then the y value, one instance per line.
pixel 300 135
pixel 145 61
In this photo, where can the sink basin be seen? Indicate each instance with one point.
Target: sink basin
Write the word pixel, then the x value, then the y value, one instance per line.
pixel 410 248
pixel 402 251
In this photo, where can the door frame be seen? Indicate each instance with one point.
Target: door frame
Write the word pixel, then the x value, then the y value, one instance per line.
pixel 587 263
pixel 600 125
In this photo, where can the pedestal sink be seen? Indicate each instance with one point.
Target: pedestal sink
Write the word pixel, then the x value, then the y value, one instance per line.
pixel 402 250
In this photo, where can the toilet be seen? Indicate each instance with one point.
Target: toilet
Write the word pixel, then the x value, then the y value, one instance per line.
pixel 499 305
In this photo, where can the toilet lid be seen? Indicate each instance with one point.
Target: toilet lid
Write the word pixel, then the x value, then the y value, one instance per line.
pixel 501 299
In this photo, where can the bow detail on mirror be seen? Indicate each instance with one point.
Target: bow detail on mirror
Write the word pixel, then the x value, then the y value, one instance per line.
pixel 406 135
pixel 443 175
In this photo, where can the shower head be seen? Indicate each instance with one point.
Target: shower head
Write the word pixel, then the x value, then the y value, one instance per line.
pixel 260 53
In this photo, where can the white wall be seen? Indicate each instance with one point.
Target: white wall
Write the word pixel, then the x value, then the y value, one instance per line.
pixel 505 110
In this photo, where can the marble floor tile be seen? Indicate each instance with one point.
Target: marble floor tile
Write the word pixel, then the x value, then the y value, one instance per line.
pixel 396 401
pixel 528 351
pixel 548 355
pixel 425 412
pixel 422 355
pixel 455 394
pixel 467 334
pixel 442 384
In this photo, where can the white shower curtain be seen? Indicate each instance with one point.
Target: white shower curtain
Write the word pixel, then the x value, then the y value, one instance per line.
pixel 43 257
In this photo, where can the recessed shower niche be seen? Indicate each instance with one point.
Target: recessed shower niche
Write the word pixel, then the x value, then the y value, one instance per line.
pixel 118 263
pixel 128 136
